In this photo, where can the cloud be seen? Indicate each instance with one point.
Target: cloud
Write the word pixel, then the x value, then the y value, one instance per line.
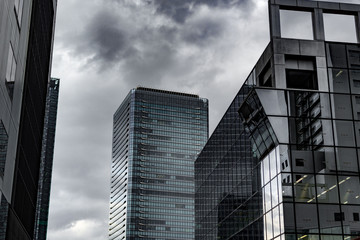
pixel 78 230
pixel 106 38
pixel 180 10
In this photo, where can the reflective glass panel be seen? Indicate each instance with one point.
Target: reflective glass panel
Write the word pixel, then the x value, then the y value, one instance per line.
pixel 296 24
pixel 349 189
pixel 342 106
pixel 304 188
pixel 351 221
pixel 346 159
pixel 289 221
pixel 339 80
pixel 340 28
pixel 344 133
pixel 306 218
pixel 327 189
pixel 355 81
pixel 330 219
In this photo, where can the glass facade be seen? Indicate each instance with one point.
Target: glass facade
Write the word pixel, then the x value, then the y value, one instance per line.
pixel 283 162
pixel 46 164
pixel 156 139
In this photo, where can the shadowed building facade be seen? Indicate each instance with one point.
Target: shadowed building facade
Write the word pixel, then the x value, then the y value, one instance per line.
pixel 283 163
pixel 26 37
pixel 47 156
pixel 157 136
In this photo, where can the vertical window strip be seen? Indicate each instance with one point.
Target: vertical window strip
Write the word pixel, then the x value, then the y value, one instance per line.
pixel 3 147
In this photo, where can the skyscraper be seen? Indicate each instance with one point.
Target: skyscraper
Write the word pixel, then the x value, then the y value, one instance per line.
pixel 47 155
pixel 156 138
pixel 283 162
pixel 26 37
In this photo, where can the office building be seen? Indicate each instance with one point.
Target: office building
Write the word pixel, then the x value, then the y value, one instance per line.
pixel 283 163
pixel 26 36
pixel 156 138
pixel 47 154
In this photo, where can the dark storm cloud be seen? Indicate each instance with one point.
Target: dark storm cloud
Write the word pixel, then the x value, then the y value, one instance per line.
pixel 116 36
pixel 179 10
pixel 202 31
pixel 150 65
pixel 105 39
pixel 176 9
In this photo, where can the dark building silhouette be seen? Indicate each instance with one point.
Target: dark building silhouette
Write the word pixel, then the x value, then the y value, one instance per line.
pixel 46 163
pixel 26 37
pixel 283 163
pixel 156 138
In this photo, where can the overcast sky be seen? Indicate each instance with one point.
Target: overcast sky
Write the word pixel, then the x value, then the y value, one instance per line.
pixel 104 48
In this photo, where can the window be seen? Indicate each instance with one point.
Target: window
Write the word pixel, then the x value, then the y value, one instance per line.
pixel 340 28
pixel 357 99
pixel 301 72
pixel 300 79
pixel 245 111
pixel 299 162
pixel 339 216
pixel 356 217
pixel 10 71
pixel 19 4
pixel 356 83
pixel 296 24
pixel 3 147
pixel 11 65
pixel 265 78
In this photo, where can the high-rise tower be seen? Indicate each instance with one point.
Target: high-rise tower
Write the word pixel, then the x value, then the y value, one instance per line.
pixel 47 156
pixel 26 38
pixel 156 138
pixel 283 162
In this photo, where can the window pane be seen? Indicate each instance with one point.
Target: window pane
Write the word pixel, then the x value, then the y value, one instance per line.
pixel 330 219
pixel 344 133
pixel 349 189
pixel 9 64
pixel 306 218
pixel 296 24
pixel 327 189
pixel 347 160
pixel 13 69
pixel 339 81
pixel 355 81
pixel 289 221
pixel 342 106
pixel 340 28
pixel 304 188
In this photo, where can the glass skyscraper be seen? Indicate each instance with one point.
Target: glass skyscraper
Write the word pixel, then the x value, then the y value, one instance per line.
pixel 47 156
pixel 283 162
pixel 157 136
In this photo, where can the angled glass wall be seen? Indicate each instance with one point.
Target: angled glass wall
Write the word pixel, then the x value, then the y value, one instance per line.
pixel 293 133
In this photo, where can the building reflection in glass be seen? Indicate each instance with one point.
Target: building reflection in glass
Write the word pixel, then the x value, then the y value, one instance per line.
pixel 283 163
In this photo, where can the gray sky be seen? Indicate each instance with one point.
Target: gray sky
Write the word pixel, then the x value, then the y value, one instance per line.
pixel 103 48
